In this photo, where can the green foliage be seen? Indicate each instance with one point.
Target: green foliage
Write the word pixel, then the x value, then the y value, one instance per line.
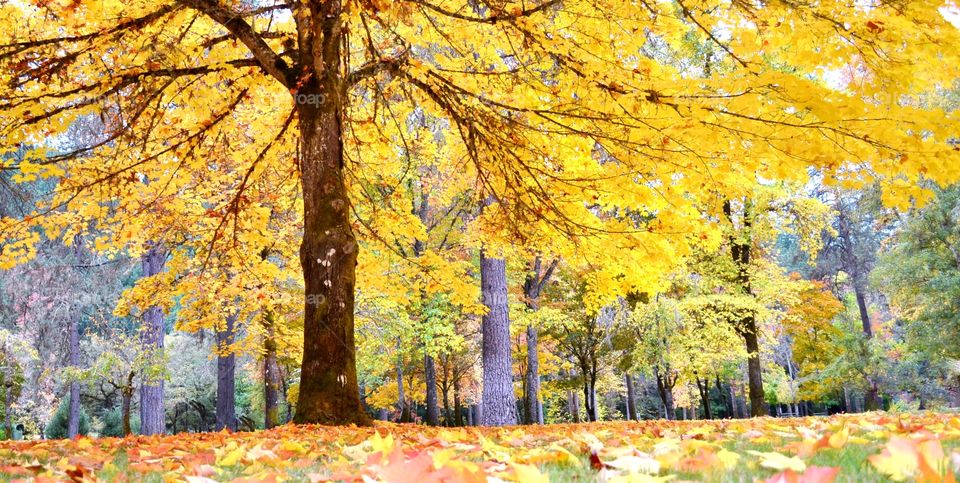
pixel 920 270
pixel 111 423
pixel 57 427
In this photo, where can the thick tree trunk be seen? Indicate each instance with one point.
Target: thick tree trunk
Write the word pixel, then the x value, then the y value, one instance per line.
pixel 329 393
pixel 498 401
pixel 631 400
pixel 226 414
pixel 271 375
pixel 430 370
pixel 152 418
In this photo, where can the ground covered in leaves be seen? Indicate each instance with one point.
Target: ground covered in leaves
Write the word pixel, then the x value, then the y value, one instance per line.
pixel 862 447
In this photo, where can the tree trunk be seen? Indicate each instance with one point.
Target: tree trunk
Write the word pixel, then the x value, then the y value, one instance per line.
pixel 631 400
pixel 152 419
pixel 329 392
pixel 758 403
pixel 666 394
pixel 430 370
pixel 446 406
pixel 457 404
pixel 126 397
pixel 271 375
pixel 499 404
pixel 226 414
pixel 401 397
pixel 532 287
pixel 73 418
pixel 703 386
pixel 740 252
pixel 846 400
pixel 532 396
pixel 573 405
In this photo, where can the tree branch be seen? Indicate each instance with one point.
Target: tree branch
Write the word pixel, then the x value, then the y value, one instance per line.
pixel 269 61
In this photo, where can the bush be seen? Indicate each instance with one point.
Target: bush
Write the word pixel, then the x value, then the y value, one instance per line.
pixel 57 427
pixel 112 423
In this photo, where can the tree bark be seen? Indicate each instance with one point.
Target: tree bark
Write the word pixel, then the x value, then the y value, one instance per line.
pixel 73 414
pixel 532 396
pixel 430 370
pixel 498 401
pixel 226 413
pixel 665 388
pixel 457 403
pixel 271 375
pixel 152 418
pixel 703 386
pixel 126 397
pixel 533 285
pixel 329 392
pixel 631 400
pixel 758 402
pixel 740 252
pixel 73 418
pixel 401 397
pixel 573 406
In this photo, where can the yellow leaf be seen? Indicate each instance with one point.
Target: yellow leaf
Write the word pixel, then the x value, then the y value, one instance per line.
pixel 838 439
pixel 779 462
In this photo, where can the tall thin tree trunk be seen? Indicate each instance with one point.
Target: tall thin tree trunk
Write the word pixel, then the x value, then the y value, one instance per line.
pixel 73 413
pixel 430 370
pixel 457 403
pixel 740 251
pixel 758 402
pixel 73 419
pixel 499 404
pixel 533 285
pixel 631 399
pixel 405 416
pixel 226 412
pixel 532 395
pixel 703 386
pixel 152 419
pixel 329 392
pixel 271 374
